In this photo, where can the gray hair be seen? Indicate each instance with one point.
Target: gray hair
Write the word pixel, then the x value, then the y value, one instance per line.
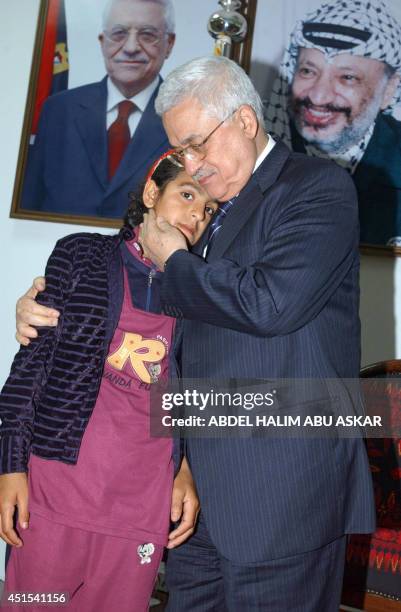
pixel 167 5
pixel 217 83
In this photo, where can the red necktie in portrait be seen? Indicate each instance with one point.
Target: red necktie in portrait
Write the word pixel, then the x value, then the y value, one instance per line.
pixel 119 135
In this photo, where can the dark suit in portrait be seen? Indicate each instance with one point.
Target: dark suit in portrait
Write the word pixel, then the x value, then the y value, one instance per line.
pixel 377 180
pixel 67 168
pixel 378 183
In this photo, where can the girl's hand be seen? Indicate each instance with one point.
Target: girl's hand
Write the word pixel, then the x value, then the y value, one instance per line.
pixel 184 506
pixel 13 492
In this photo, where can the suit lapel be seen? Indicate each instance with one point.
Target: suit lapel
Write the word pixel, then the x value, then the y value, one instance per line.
pixel 91 123
pixel 249 199
pixel 148 139
pixel 246 202
pixel 197 249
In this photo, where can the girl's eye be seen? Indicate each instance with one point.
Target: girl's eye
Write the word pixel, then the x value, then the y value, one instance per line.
pixel 188 196
pixel 210 211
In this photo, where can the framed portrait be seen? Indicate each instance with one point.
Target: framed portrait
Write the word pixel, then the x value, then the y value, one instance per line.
pixel 329 76
pixel 65 172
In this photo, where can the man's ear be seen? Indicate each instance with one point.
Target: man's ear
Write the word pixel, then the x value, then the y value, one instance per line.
pixel 389 91
pixel 150 194
pixel 101 41
pixel 170 44
pixel 248 121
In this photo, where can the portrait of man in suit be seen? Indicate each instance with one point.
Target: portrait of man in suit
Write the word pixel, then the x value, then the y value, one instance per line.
pixel 335 97
pixel 95 142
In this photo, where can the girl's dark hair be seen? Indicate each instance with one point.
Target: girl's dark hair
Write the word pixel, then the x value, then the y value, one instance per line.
pixel 165 172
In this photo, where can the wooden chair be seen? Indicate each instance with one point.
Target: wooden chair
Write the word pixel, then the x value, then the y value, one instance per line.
pixel 372 579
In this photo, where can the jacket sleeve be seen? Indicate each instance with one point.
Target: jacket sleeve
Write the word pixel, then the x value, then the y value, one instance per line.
pixel 21 392
pixel 304 258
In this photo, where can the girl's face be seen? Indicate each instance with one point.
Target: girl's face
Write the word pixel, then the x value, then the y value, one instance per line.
pixel 183 203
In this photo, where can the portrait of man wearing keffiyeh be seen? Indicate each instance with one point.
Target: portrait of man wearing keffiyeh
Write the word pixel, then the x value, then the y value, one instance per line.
pixel 335 96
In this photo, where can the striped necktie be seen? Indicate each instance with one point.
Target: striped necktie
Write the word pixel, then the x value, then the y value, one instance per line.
pixel 216 224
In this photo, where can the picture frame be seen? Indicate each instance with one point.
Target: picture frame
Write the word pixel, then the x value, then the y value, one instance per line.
pixel 274 23
pixel 81 59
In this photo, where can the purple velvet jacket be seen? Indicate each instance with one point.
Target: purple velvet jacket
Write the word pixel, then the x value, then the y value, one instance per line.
pixel 48 398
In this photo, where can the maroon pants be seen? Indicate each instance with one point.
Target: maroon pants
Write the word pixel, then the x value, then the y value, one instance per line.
pixel 98 572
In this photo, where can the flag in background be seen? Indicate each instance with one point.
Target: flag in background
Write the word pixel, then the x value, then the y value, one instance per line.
pixel 53 71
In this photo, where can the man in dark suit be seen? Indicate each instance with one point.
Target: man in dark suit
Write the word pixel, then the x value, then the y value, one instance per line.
pixel 271 293
pixel 96 142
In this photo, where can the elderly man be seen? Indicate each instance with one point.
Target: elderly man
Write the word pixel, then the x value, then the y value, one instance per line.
pixel 95 142
pixel 271 293
pixel 338 84
pixel 275 296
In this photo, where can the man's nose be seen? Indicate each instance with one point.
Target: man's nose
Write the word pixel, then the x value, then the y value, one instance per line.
pixel 131 44
pixel 192 166
pixel 322 92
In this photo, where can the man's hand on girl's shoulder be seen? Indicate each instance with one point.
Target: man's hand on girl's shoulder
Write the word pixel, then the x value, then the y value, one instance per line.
pixel 29 313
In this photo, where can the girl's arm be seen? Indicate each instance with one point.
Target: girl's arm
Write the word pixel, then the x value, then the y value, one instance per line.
pixel 19 398
pixel 22 390
pixel 184 506
pixel 13 492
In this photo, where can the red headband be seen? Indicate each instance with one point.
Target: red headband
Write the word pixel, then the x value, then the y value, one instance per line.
pixel 158 161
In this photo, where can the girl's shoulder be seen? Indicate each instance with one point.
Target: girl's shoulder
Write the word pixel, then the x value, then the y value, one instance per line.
pixel 87 243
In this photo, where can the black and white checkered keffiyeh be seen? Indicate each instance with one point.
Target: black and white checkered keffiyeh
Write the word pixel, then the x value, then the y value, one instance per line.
pixel 357 27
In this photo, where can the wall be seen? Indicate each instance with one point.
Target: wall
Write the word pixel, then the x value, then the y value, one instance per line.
pixel 380 308
pixel 25 245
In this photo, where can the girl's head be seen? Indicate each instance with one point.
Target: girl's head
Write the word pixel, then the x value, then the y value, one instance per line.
pixel 174 195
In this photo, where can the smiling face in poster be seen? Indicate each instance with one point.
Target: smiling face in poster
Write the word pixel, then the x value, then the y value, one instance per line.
pixel 334 103
pixel 135 42
pixel 336 95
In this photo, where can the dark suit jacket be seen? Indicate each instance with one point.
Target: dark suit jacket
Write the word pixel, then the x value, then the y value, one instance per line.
pixel 67 165
pixel 278 298
pixel 378 181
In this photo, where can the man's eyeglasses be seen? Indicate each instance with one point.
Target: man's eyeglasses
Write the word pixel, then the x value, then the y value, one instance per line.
pixel 197 152
pixel 145 36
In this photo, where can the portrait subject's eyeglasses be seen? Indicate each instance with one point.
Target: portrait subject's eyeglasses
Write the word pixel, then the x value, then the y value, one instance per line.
pixel 145 36
pixel 197 152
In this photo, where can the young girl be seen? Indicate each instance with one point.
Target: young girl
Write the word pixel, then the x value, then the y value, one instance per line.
pixel 75 420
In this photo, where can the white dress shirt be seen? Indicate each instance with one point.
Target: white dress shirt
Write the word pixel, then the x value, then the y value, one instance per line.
pixel 270 144
pixel 114 97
